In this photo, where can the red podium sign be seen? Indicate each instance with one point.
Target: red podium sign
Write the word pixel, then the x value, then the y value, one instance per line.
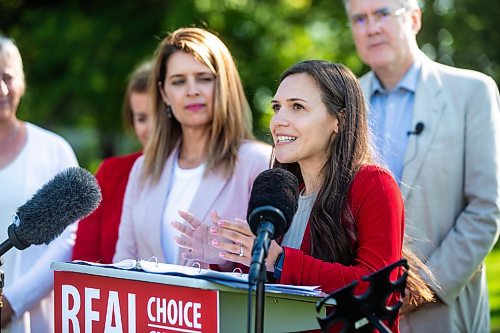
pixel 89 303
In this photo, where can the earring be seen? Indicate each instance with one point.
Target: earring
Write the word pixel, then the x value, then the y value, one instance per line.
pixel 168 110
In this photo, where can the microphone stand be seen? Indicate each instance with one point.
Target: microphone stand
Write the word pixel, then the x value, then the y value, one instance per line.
pixel 260 251
pixel 260 300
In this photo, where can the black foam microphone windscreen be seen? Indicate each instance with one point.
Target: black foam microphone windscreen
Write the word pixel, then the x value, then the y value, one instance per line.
pixel 70 196
pixel 277 188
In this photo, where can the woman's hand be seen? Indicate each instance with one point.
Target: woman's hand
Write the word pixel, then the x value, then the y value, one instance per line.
pixel 196 239
pixel 238 247
pixel 241 240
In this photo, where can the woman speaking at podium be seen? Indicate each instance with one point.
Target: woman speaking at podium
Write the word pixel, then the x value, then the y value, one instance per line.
pixel 350 220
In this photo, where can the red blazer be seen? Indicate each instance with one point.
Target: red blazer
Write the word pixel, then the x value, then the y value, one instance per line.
pixel 378 210
pixel 97 233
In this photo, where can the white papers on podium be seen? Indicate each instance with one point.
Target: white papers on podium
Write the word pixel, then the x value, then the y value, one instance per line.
pixel 232 279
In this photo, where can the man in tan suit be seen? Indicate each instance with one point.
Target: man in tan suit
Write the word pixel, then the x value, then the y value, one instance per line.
pixel 438 130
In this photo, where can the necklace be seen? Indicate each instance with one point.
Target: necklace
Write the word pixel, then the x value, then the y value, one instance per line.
pixel 189 163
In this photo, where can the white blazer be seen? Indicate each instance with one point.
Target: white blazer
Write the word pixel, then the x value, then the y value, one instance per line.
pixel 139 235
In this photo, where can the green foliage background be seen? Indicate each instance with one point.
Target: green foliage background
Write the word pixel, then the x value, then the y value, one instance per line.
pixel 79 53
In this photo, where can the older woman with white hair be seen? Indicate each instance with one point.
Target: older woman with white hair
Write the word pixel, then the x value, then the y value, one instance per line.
pixel 29 157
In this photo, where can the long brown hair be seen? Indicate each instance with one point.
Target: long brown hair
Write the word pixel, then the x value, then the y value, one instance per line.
pixel 232 120
pixel 333 236
pixel 332 226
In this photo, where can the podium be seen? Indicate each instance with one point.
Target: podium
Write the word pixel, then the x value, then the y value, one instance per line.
pixel 103 299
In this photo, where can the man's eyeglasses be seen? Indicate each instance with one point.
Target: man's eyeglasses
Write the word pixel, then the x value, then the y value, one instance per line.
pixel 379 16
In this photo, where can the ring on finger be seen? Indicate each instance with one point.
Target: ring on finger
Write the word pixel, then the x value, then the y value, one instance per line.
pixel 241 251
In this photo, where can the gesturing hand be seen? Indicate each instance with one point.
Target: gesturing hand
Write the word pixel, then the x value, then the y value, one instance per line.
pixel 196 239
pixel 241 239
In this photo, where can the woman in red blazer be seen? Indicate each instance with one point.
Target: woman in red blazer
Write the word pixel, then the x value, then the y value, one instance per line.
pixel 350 220
pixel 97 234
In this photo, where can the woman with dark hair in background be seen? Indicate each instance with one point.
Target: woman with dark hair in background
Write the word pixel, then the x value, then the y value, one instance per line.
pixel 97 233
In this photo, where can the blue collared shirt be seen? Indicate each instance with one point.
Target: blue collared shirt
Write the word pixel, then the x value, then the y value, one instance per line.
pixel 391 116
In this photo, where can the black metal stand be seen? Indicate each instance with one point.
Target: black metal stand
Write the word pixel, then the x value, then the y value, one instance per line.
pixel 260 301
pixel 259 308
pixel 363 313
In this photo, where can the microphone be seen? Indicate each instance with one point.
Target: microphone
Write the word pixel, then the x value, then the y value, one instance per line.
pixel 70 196
pixel 419 127
pixel 273 203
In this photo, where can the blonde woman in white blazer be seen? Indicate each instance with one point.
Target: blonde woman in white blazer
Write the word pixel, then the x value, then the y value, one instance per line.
pixel 202 156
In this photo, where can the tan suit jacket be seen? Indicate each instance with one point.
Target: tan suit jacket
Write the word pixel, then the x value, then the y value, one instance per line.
pixel 451 187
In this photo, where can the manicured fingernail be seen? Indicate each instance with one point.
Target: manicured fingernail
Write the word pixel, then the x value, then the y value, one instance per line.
pixel 220 223
pixel 215 243
pixel 213 230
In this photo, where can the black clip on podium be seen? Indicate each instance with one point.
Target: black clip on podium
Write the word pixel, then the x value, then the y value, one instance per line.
pixel 365 312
